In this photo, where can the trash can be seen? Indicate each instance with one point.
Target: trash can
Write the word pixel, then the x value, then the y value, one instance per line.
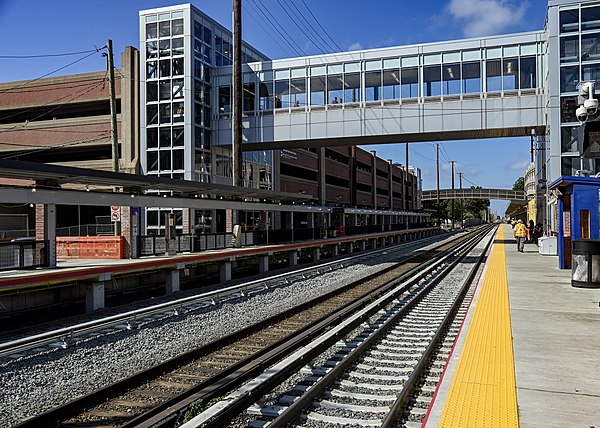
pixel 585 263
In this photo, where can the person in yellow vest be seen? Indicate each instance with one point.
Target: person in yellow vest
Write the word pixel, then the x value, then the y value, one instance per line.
pixel 521 234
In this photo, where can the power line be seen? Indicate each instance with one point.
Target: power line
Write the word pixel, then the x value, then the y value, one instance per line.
pixel 295 22
pixel 275 39
pixel 51 72
pixel 48 103
pixel 47 55
pixel 319 24
pixel 314 31
pixel 77 96
pixel 259 5
pixel 101 137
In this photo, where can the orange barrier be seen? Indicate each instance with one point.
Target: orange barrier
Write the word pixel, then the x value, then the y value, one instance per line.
pixel 90 247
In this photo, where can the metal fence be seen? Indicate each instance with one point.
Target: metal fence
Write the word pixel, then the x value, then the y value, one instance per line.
pixel 23 254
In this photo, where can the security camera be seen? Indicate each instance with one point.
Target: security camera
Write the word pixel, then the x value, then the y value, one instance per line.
pixel 581 113
pixel 591 105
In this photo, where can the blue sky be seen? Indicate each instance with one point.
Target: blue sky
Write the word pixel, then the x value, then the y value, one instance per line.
pixel 46 27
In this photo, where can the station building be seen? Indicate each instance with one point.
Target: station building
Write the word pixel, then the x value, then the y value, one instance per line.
pixel 523 84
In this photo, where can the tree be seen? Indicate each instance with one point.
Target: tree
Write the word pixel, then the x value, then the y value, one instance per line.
pixel 519 184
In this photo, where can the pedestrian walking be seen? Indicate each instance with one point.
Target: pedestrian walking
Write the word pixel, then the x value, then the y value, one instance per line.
pixel 521 234
pixel 531 231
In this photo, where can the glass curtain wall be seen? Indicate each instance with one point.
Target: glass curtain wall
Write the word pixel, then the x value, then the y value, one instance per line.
pixel 579 45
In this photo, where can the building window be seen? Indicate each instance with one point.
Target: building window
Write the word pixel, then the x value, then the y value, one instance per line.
pixel 569 21
pixel 432 81
pixel 152 161
pixel 178 161
pixel 373 85
pixel 151 91
pixel 569 78
pixel 165 68
pixel 151 50
pixel 282 94
pixel 317 91
pixel 224 99
pixel 164 48
pixel 165 89
pixel 165 113
pixel 164 29
pixel 527 72
pixel 569 136
pixel 298 92
pixel 177 27
pixel 569 49
pixel 471 77
pixel 590 47
pixel 410 82
pixel 510 71
pixel 391 85
pixel 352 88
pixel 451 78
pixel 177 66
pixel 165 137
pixel 335 86
pixel 590 18
pixel 178 136
pixel 178 112
pixel 151 138
pixel 152 69
pixel 177 45
pixel 152 114
pixel 494 75
pixel 591 72
pixel 249 96
pixel 177 89
pixel 265 92
pixel 151 31
pixel 570 165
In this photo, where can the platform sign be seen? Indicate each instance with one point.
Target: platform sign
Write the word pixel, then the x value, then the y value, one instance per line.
pixel 115 213
pixel 135 211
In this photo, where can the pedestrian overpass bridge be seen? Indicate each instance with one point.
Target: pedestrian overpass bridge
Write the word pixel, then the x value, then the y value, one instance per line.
pixel 515 196
pixel 467 89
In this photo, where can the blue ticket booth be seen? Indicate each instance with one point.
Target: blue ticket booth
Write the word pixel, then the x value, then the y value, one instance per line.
pixel 578 204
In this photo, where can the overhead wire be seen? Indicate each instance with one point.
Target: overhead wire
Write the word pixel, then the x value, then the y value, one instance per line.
pixel 40 148
pixel 78 95
pixel 29 82
pixel 49 102
pixel 275 39
pixel 302 30
pixel 270 19
pixel 47 55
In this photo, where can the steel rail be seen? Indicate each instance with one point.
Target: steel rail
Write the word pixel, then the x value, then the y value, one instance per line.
pixel 224 411
pixel 63 334
pixel 62 412
pixel 409 386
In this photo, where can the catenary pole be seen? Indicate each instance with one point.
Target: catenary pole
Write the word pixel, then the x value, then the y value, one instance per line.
pixel 460 174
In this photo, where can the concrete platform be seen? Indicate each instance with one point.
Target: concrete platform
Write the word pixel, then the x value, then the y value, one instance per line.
pixel 556 343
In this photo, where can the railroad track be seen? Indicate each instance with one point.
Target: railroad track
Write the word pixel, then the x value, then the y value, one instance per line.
pixel 375 378
pixel 141 400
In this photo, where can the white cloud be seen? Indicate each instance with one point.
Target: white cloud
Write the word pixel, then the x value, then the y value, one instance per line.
pixel 356 46
pixel 487 17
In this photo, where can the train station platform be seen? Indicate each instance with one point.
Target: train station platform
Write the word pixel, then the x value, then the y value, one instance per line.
pixel 528 353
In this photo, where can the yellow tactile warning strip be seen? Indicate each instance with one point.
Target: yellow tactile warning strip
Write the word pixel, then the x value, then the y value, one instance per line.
pixel 483 390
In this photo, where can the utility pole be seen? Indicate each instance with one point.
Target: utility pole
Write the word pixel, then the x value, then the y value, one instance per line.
pixel 237 93
pixel 113 107
pixel 437 175
pixel 452 162
pixel 113 118
pixel 460 174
